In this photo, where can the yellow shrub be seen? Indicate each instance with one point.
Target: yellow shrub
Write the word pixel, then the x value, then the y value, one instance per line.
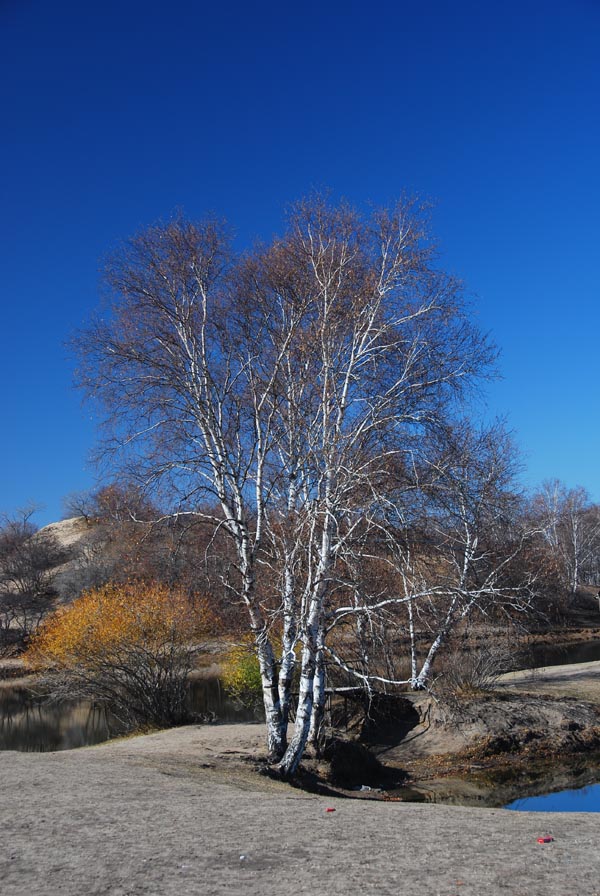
pixel 129 646
pixel 114 617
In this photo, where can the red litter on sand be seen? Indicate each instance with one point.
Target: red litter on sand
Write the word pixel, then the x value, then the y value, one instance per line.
pixel 329 810
pixel 545 839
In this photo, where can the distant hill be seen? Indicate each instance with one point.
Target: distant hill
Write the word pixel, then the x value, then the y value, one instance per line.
pixel 66 532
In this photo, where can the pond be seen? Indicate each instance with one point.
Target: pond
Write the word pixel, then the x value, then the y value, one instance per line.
pixel 543 787
pixel 31 723
pixel 540 655
pixel 583 799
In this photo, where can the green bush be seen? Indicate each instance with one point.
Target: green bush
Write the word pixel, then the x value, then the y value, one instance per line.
pixel 241 674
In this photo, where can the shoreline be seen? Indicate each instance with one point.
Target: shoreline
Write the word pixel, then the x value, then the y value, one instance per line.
pixel 539 718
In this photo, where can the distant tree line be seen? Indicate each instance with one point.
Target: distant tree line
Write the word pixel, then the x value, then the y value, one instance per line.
pixel 123 541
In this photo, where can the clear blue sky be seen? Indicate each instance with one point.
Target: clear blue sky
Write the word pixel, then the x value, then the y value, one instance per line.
pixel 116 113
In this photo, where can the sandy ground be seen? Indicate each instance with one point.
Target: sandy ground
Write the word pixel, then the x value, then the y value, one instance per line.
pixel 578 680
pixel 182 812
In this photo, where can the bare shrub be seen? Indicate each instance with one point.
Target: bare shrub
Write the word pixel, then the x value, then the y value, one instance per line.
pixel 28 563
pixel 472 670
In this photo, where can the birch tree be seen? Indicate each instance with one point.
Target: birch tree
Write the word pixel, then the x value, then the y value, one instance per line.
pixel 571 528
pixel 476 539
pixel 281 387
pixel 169 364
pixel 450 544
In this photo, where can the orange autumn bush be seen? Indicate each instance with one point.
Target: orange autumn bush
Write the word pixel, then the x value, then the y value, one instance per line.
pixel 128 646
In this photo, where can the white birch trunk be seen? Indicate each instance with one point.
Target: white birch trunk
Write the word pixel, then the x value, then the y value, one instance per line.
pixel 288 657
pixel 413 645
pixel 276 730
pixel 297 744
pixel 319 695
pixel 312 637
pixel 422 678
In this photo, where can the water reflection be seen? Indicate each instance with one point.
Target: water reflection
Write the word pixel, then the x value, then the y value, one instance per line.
pixel 548 788
pixel 208 699
pixel 30 722
pixel 541 655
pixel 584 799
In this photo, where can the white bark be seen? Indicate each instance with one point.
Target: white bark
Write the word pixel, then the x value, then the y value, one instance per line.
pixel 317 719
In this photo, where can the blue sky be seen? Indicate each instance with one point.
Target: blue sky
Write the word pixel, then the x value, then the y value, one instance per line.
pixel 116 114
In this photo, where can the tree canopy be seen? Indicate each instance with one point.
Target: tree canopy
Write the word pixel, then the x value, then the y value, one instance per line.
pixel 309 400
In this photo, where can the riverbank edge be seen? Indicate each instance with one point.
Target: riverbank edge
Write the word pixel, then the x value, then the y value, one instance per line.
pixel 487 749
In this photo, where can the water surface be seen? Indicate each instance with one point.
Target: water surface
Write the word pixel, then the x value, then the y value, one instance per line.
pixel 584 799
pixel 542 655
pixel 29 722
